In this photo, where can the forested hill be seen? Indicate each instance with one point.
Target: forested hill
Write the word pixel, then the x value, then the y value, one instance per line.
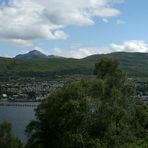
pixel 136 64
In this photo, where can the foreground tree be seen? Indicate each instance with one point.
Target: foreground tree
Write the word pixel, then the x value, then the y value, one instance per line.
pixel 7 140
pixel 95 113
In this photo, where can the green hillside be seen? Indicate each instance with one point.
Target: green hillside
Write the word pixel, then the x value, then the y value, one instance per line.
pixel 11 68
pixel 136 64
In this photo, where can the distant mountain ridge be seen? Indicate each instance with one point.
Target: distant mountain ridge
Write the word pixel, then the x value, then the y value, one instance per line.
pixel 33 55
pixel 135 64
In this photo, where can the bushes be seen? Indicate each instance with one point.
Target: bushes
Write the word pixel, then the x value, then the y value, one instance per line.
pixel 7 140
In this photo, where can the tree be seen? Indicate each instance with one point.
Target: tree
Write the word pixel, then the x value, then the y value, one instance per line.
pixel 7 140
pixel 62 119
pixel 92 113
pixel 117 106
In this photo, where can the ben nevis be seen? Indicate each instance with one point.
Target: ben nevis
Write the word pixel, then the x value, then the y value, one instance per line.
pixel 34 54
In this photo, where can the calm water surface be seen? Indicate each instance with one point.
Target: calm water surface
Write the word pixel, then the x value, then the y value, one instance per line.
pixel 19 117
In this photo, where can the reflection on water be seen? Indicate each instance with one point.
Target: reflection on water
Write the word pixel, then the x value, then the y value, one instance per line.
pixel 19 116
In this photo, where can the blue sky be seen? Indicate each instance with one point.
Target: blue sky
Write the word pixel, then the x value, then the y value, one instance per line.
pixel 73 28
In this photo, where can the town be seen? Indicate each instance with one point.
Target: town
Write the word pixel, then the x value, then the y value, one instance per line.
pixel 28 92
pixel 37 91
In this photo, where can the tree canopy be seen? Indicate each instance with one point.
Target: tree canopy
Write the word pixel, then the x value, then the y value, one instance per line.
pixel 92 113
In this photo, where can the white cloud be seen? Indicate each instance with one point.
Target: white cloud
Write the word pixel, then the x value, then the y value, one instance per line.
pixel 81 52
pixel 60 35
pixel 106 12
pixel 86 51
pixel 22 22
pixel 16 42
pixel 131 46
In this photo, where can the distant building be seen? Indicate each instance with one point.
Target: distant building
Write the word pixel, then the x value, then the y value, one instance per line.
pixel 4 95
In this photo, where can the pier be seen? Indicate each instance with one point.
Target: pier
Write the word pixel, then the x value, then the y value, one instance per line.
pixel 19 104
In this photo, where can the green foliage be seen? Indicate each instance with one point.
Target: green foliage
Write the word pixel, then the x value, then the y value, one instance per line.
pixel 140 120
pixel 7 140
pixel 140 144
pixel 92 113
pixel 45 68
pixel 64 124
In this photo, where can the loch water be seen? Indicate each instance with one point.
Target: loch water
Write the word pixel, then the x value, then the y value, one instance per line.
pixel 19 115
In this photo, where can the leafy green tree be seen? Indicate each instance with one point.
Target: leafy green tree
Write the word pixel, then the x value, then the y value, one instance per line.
pixel 92 113
pixel 7 140
pixel 62 119
pixel 140 124
pixel 117 105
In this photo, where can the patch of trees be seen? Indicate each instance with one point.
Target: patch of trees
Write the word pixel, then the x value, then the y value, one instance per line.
pixel 92 113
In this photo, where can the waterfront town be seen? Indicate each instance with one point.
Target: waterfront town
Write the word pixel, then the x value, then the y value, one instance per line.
pixel 28 92
pixel 37 91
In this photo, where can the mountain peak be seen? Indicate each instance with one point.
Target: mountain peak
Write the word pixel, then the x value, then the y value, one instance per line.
pixel 34 54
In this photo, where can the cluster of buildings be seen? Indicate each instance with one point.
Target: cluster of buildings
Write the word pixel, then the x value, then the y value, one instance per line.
pixel 142 92
pixel 35 91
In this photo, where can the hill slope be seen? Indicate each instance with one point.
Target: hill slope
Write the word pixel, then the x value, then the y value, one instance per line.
pixel 136 64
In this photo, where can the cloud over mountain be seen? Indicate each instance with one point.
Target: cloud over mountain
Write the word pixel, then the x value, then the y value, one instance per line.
pixel 81 52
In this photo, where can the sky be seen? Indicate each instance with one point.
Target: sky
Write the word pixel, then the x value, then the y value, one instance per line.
pixel 73 28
